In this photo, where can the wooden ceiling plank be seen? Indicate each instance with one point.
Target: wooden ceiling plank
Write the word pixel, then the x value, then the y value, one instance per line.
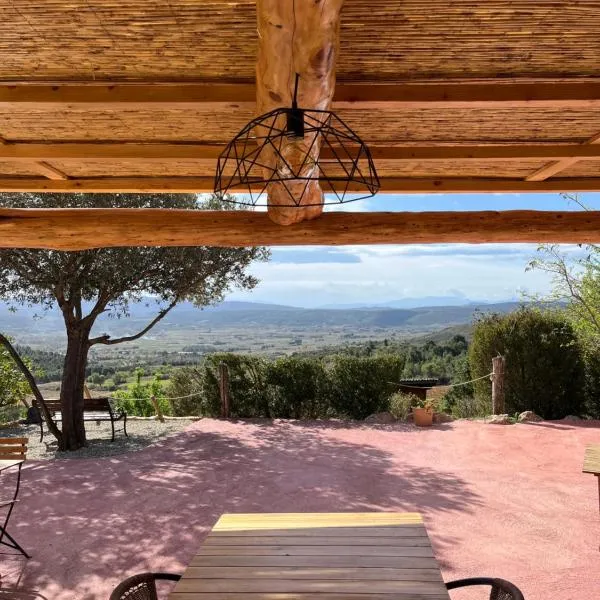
pixel 573 93
pixel 79 229
pixel 390 185
pixel 554 167
pixel 27 152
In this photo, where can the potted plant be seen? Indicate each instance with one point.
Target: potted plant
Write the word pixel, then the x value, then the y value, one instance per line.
pixel 423 413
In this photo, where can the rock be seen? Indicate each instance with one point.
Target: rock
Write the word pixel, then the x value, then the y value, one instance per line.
pixel 572 418
pixel 529 417
pixel 499 420
pixel 442 418
pixel 381 418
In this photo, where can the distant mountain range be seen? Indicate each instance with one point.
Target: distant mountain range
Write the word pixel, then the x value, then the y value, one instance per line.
pixel 252 315
pixel 425 301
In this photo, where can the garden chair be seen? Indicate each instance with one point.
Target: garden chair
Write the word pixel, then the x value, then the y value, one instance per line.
pixel 501 589
pixel 141 586
pixel 12 455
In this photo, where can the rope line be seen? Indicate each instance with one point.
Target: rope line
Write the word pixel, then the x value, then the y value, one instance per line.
pixel 161 397
pixel 450 385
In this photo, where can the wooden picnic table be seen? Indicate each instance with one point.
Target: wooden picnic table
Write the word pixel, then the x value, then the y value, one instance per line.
pixel 591 463
pixel 299 556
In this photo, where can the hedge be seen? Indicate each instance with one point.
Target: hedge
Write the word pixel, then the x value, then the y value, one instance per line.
pixel 289 387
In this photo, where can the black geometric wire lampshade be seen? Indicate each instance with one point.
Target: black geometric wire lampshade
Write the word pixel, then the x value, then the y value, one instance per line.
pixel 293 147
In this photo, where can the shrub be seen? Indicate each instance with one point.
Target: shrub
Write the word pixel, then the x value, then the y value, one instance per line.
pixel 544 365
pixel 136 400
pixel 400 405
pixel 362 386
pixel 299 388
pixel 460 400
pixel 591 356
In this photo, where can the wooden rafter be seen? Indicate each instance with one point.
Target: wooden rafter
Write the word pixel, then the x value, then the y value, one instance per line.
pixel 390 185
pixel 445 94
pixel 42 167
pixel 560 165
pixel 164 152
pixel 78 229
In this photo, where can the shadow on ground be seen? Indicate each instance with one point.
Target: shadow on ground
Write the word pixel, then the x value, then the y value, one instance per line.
pixel 90 523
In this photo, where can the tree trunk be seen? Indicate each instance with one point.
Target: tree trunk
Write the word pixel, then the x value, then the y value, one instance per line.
pixel 34 388
pixel 71 392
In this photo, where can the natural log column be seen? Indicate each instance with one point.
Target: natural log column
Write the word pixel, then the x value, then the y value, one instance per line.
pixel 296 36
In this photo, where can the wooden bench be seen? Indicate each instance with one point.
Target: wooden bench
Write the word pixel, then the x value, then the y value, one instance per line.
pixel 94 409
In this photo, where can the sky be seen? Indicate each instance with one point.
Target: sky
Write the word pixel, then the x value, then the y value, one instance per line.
pixel 313 276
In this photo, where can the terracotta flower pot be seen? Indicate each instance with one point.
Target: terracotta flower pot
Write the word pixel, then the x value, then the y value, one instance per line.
pixel 423 417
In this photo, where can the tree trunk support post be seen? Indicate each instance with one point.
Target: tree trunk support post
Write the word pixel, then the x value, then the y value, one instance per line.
pixel 224 389
pixel 498 370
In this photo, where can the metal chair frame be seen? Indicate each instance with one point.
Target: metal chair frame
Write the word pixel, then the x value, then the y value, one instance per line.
pixel 497 585
pixel 128 587
pixel 5 538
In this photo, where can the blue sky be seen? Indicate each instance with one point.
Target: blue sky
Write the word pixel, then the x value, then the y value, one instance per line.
pixel 317 276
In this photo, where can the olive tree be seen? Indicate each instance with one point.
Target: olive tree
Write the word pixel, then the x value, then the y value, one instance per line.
pixel 87 284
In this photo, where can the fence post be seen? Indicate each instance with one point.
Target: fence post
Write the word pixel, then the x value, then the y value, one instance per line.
pixel 224 389
pixel 157 409
pixel 498 364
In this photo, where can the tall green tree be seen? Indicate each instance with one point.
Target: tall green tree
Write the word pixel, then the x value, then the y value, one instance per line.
pixel 575 278
pixel 87 284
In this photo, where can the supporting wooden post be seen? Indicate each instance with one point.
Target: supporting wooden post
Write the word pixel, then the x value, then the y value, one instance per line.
pixel 224 389
pixel 157 409
pixel 498 364
pixel 296 38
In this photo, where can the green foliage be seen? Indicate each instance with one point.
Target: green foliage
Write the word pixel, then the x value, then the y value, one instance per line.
pixel 460 400
pixel 300 388
pixel 136 399
pixel 13 385
pixel 291 387
pixel 591 354
pixel 575 282
pixel 401 404
pixel 190 380
pixel 544 363
pixel 362 386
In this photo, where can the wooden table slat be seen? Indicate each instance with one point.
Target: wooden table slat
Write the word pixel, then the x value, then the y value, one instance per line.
pixel 354 562
pixel 314 551
pixel 399 531
pixel 324 573
pixel 316 541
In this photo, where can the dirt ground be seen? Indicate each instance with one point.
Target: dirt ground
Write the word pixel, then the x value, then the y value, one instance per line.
pixel 506 501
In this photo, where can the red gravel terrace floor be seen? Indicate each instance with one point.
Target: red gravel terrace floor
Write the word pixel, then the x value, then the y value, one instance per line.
pixel 506 501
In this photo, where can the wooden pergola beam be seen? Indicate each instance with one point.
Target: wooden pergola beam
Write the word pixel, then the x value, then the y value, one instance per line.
pixel 27 152
pixel 554 167
pixel 578 93
pixel 79 229
pixel 389 185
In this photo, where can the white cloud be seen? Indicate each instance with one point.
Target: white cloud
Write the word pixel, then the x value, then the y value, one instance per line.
pixel 387 273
